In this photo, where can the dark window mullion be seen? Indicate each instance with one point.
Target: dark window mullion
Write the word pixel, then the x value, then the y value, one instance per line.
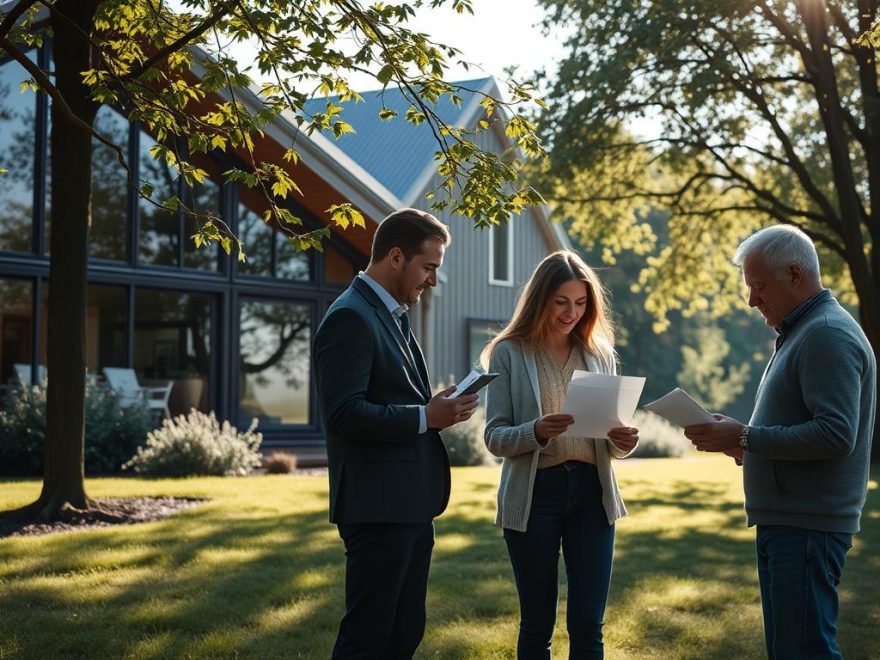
pixel 182 191
pixel 181 195
pixel 225 210
pixel 273 262
pixel 133 219
pixel 37 293
pixel 129 326
pixel 41 149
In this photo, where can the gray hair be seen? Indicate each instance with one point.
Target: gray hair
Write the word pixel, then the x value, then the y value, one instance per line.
pixel 781 246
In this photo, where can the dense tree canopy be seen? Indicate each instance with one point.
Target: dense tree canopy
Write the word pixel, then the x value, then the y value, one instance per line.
pixel 729 115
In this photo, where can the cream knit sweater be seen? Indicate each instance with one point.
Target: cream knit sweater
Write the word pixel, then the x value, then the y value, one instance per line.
pixel 513 405
pixel 553 381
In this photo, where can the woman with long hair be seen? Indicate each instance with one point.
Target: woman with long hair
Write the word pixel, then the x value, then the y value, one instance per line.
pixel 556 490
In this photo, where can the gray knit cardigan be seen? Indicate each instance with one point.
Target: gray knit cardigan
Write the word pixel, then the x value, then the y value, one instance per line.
pixel 513 405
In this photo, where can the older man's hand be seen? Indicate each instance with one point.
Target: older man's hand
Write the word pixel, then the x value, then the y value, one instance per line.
pixel 721 435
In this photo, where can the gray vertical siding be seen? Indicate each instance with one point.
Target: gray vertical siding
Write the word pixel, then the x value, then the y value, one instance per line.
pixel 467 294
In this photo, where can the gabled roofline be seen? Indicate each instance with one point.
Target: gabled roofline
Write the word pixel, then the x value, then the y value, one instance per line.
pixel 553 232
pixel 319 154
pixel 468 114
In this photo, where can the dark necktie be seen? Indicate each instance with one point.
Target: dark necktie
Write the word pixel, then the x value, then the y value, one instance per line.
pixel 405 327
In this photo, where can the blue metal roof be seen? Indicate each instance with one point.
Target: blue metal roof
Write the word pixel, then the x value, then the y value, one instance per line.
pixel 395 152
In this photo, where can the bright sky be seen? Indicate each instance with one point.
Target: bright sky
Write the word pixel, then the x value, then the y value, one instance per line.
pixel 500 33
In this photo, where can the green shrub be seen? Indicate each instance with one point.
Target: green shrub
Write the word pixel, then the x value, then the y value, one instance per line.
pixel 659 438
pixel 112 433
pixel 23 431
pixel 197 444
pixel 464 441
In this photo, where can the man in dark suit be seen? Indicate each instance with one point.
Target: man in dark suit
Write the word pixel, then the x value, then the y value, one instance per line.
pixel 389 472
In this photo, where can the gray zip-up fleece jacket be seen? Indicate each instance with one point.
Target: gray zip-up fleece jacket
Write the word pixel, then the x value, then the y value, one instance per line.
pixel 811 429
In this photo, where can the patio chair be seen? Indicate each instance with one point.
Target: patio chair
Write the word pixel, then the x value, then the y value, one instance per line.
pixel 125 383
pixel 23 372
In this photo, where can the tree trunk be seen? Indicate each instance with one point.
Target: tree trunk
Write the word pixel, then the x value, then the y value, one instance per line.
pixel 71 149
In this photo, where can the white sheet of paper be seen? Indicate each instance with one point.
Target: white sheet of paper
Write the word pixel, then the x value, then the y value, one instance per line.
pixel 679 408
pixel 599 402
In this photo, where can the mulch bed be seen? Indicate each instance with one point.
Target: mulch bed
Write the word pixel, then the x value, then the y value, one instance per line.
pixel 110 512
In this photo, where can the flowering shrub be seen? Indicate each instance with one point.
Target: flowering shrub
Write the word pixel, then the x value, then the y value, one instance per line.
pixel 197 444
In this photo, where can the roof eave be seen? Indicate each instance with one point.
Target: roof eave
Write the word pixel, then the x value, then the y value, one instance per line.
pixel 320 155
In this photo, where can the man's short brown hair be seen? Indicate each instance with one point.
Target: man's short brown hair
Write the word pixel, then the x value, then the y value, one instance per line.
pixel 407 229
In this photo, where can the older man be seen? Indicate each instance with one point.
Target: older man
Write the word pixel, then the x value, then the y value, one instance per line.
pixel 805 452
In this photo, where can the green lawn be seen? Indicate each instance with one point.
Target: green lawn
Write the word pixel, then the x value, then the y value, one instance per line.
pixel 258 573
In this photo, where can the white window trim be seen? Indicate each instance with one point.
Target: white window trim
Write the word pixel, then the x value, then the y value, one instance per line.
pixel 509 280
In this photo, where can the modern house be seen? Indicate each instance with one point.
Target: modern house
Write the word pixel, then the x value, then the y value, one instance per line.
pixel 234 337
pixel 484 268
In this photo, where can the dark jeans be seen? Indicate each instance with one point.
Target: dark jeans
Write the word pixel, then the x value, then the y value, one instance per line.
pixel 386 584
pixel 566 509
pixel 799 570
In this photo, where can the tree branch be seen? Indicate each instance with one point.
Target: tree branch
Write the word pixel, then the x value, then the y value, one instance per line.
pixel 59 101
pixel 842 24
pixel 785 29
pixel 168 49
pixel 760 103
pixel 14 14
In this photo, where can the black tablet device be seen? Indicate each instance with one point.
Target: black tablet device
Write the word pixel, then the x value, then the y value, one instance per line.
pixel 477 384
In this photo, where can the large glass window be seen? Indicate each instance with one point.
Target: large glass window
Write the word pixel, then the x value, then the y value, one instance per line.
pixel 105 327
pixel 203 199
pixel 16 328
pixel 109 188
pixel 164 234
pixel 17 146
pixel 479 334
pixel 274 369
pixel 269 253
pixel 257 239
pixel 172 341
pixel 159 228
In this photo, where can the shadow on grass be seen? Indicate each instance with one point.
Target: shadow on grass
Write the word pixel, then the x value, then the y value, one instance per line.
pixel 195 586
pixel 260 585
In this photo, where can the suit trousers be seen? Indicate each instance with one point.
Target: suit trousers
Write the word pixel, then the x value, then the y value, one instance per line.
pixel 386 585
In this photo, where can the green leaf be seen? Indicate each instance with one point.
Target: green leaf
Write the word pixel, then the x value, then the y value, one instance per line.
pixel 345 215
pixel 386 115
pixel 385 74
pixel 340 128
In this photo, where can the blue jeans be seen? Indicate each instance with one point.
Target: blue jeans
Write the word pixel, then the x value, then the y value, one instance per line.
pixel 799 570
pixel 566 510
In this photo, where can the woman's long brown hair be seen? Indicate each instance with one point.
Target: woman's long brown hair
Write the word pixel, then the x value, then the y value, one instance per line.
pixel 530 324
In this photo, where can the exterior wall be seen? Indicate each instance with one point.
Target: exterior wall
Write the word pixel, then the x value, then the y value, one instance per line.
pixel 466 295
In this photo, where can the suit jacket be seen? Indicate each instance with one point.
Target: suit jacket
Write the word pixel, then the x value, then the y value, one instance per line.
pixel 370 385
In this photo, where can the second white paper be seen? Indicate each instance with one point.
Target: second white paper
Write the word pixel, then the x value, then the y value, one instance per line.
pixel 599 402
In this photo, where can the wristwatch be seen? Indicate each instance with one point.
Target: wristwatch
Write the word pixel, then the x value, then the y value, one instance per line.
pixel 744 438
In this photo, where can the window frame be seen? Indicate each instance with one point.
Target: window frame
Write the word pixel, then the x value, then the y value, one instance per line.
pixel 508 282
